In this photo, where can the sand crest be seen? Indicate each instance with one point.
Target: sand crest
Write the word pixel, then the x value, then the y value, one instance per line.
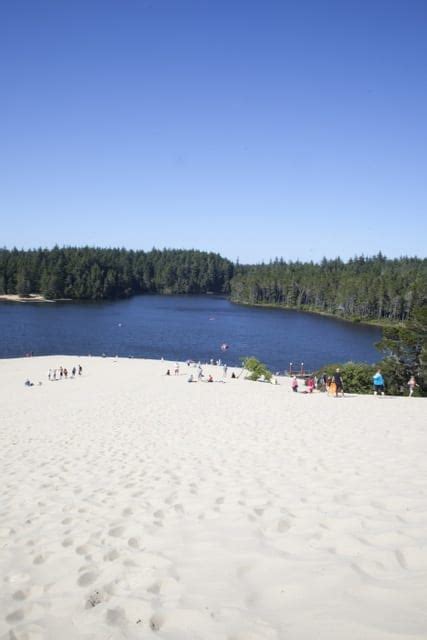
pixel 135 505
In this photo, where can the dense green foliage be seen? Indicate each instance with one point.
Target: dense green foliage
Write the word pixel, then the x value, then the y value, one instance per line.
pixel 405 347
pixel 361 289
pixel 256 369
pixel 357 376
pixel 92 273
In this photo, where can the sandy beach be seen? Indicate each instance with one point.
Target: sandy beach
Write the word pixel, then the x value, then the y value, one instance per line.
pixel 135 505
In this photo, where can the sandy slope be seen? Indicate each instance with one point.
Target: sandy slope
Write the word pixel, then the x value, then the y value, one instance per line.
pixel 134 505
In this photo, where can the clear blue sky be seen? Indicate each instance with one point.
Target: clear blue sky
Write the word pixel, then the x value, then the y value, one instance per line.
pixel 254 129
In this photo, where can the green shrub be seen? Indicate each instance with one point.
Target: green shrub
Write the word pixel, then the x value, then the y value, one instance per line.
pixel 256 369
pixel 396 376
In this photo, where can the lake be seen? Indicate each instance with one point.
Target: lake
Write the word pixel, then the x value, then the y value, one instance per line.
pixel 181 328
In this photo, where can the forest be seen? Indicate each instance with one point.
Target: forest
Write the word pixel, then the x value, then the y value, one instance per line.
pixel 363 288
pixel 95 273
pixel 375 288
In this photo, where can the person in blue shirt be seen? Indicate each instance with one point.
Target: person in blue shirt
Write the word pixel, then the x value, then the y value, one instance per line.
pixel 378 381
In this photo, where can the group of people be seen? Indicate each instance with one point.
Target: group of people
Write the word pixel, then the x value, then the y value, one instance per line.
pixel 334 384
pixel 310 384
pixel 198 377
pixel 57 374
pixel 62 373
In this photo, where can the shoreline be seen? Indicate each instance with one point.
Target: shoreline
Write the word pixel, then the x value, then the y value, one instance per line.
pixel 372 323
pixel 32 297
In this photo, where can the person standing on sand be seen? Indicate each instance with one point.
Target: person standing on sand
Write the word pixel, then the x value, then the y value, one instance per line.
pixel 378 381
pixel 294 384
pixel 411 385
pixel 339 386
pixel 80 369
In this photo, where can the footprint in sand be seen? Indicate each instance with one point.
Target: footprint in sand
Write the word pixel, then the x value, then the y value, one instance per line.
pixel 135 543
pixel 116 532
pixel 82 550
pixel 29 610
pixel 116 617
pixel 87 578
pixel 16 616
pixel 154 588
pixel 32 591
pixel 401 559
pixel 67 542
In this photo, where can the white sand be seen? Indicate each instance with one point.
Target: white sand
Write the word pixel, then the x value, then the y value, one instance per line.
pixel 134 505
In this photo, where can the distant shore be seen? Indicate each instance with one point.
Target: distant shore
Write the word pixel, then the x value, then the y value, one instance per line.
pixel 352 319
pixel 32 297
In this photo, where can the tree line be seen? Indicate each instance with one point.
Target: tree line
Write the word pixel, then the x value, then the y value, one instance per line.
pixel 374 288
pixel 93 273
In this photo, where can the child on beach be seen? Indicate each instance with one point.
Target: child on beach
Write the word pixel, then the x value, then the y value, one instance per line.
pixel 294 384
pixel 412 384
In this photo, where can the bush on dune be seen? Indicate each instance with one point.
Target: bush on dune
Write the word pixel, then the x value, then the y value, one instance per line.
pixel 256 369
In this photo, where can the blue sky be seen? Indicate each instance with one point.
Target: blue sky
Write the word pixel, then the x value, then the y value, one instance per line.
pixel 254 129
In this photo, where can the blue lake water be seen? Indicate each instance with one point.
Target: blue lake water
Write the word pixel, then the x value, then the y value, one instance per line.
pixel 181 328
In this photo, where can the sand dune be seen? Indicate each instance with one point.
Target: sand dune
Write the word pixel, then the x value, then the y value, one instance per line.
pixel 135 505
